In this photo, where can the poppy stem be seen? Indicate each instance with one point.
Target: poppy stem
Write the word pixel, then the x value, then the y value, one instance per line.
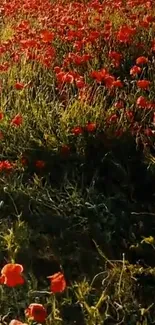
pixel 43 292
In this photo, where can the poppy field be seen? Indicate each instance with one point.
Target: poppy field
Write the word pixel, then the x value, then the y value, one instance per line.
pixel 77 162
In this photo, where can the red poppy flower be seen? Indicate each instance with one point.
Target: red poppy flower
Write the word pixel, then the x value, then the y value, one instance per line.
pixel 58 282
pixel 143 84
pixel 47 36
pixel 149 18
pixel 36 312
pixel 116 58
pixel 2 279
pixel 142 102
pixel 28 43
pixel 119 104
pixel 19 85
pixel 142 60
pixel 112 119
pixel 135 70
pixel 4 67
pixel 40 164
pixel 108 80
pixel 148 132
pixel 11 275
pixel 98 75
pixel 6 165
pixel 77 130
pixel 1 115
pixel 63 77
pixel 117 83
pixel 115 55
pixel 144 23
pixel 90 127
pixel 80 83
pixel 150 105
pixel 129 115
pixel 140 45
pixel 17 120
pixel 125 33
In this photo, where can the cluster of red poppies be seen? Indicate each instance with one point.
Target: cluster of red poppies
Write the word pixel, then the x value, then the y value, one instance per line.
pixel 12 276
pixel 88 49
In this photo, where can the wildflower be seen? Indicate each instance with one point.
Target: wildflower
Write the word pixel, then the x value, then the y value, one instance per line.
pixel 141 60
pixel 141 102
pixel 119 104
pixel 115 55
pixel 28 43
pixel 93 36
pixel 23 26
pixel 17 120
pixel 36 312
pixel 77 130
pixel 117 83
pixel 11 275
pixel 143 84
pixel 63 77
pixel 135 70
pixel 40 164
pixel 125 33
pixel 144 23
pixel 58 282
pixel 98 75
pixel 148 132
pixel 2 279
pixel 5 165
pixel 109 80
pixel 80 83
pixel 140 45
pixel 19 85
pixel 112 119
pixel 150 105
pixel 116 58
pixel 149 18
pixel 1 115
pixel 129 115
pixel 90 127
pixel 4 67
pixel 47 36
